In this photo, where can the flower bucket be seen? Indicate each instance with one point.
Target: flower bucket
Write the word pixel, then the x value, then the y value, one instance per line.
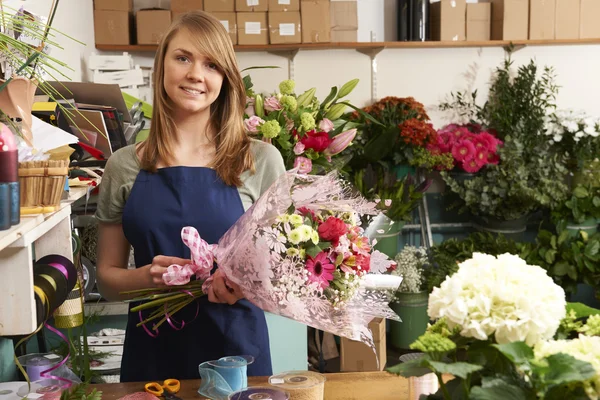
pixel 16 101
pixel 387 233
pixel 450 201
pixel 513 229
pixel 589 226
pixel 412 310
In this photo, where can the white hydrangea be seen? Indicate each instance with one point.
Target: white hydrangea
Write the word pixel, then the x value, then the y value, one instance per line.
pixel 584 348
pixel 503 297
pixel 571 122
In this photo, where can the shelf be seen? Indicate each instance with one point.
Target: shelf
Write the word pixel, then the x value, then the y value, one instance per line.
pixel 48 234
pixel 371 45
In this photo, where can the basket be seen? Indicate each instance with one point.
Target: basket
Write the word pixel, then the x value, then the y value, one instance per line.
pixel 42 182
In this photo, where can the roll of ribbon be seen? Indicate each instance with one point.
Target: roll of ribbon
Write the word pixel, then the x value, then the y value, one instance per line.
pixel 301 385
pixel 57 280
pixel 64 265
pixel 36 364
pixel 220 378
pixel 260 393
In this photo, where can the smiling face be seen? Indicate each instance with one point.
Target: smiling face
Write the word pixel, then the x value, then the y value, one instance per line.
pixel 191 80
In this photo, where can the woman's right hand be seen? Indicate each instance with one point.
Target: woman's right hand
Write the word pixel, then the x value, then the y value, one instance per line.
pixel 159 267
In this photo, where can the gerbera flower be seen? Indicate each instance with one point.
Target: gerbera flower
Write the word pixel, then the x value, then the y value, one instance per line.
pixel 463 150
pixel 320 270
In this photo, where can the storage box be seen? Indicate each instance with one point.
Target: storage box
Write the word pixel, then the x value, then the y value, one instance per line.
pixel 567 19
pixel 316 21
pixel 284 5
pixel 589 28
pixel 448 20
pixel 251 5
pixel 252 28
pixel 179 7
pixel 510 19
pixel 113 27
pixel 113 5
pixel 479 21
pixel 284 27
pixel 228 19
pixel 219 5
pixel 542 19
pixel 344 36
pixel 151 25
pixel 344 15
pixel 356 356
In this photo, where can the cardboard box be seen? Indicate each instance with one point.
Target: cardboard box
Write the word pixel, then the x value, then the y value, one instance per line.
pixel 113 5
pixel 344 36
pixel 589 28
pixel 183 6
pixel 219 5
pixel 151 25
pixel 284 5
pixel 448 20
pixel 344 15
pixel 542 19
pixel 356 356
pixel 284 27
pixel 479 21
pixel 251 5
pixel 252 28
pixel 316 21
pixel 566 25
pixel 113 27
pixel 510 19
pixel 228 19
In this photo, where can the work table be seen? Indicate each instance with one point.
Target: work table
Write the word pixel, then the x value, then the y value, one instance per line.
pixel 338 386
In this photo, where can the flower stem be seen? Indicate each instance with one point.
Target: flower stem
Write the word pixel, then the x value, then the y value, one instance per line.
pixel 443 386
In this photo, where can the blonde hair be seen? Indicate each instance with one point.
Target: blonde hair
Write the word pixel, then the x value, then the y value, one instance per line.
pixel 233 155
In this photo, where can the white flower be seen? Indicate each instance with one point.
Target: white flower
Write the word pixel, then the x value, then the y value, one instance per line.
pixel 500 297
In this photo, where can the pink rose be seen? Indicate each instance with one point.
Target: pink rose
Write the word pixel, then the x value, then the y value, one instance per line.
pixel 272 104
pixel 299 148
pixel 250 106
pixel 303 164
pixel 251 124
pixel 325 125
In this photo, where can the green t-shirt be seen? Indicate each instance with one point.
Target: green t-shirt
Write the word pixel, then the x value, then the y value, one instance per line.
pixel 123 167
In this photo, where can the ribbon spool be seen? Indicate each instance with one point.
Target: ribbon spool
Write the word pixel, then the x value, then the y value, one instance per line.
pixel 69 312
pixel 301 385
pixel 260 393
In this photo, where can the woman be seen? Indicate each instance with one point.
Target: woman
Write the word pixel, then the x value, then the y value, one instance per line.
pixel 199 168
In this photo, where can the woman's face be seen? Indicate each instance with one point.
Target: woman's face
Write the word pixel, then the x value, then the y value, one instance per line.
pixel 192 81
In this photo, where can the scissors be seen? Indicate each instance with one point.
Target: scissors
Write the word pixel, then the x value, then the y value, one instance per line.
pixel 166 390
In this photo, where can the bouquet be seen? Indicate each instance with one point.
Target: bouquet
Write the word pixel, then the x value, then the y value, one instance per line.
pixel 470 147
pixel 297 252
pixel 308 133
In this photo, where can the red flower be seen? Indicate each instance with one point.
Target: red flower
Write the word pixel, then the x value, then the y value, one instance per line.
pixel 364 262
pixel 318 141
pixel 305 212
pixel 332 229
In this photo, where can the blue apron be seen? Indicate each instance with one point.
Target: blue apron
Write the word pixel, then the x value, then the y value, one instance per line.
pixel 158 207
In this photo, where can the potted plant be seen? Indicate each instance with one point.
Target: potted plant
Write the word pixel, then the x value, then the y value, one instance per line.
pixel 529 174
pixel 581 211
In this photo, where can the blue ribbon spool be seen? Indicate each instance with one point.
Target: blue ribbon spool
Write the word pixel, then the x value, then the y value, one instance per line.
pixel 222 377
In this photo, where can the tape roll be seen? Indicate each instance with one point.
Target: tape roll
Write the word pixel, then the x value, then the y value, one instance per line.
pixel 260 393
pixel 301 385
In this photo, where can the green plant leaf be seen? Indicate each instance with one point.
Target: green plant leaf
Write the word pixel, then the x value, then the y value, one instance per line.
pixel 418 367
pixel 580 192
pixel 550 256
pixel 560 268
pixel 592 248
pixel 460 369
pixel 563 368
pixel 517 352
pixel 379 146
pixel 329 98
pixel 347 88
pixel 498 389
pixel 581 310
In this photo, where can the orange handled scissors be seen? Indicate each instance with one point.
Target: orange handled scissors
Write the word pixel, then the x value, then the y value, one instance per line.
pixel 166 390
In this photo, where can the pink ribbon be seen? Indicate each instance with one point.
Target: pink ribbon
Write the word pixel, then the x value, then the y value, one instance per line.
pixel 202 255
pixel 45 373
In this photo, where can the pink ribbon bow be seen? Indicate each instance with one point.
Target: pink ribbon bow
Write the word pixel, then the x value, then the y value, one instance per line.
pixel 202 260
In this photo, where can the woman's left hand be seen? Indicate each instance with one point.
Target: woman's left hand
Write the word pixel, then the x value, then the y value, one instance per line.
pixel 222 290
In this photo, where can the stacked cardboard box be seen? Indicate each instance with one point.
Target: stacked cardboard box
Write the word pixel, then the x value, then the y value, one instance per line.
pixel 316 21
pixel 344 21
pixel 284 22
pixel 179 7
pixel 448 20
pixel 113 22
pixel 479 16
pixel 356 356
pixel 151 24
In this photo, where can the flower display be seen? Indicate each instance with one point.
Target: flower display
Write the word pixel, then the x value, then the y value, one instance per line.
pixel 471 147
pixel 300 126
pixel 502 298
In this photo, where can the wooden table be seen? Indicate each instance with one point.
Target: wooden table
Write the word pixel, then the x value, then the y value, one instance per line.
pixel 338 386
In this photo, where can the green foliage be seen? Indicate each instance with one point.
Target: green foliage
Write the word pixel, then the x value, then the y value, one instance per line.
pixel 583 205
pixel 80 392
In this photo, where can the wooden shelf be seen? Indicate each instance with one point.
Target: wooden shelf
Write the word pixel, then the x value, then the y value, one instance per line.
pixel 371 45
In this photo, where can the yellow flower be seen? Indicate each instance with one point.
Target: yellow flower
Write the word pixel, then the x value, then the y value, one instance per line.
pixel 314 237
pixel 295 236
pixel 292 251
pixel 296 220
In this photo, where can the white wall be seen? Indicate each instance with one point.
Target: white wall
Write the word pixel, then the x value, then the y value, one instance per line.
pixel 426 74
